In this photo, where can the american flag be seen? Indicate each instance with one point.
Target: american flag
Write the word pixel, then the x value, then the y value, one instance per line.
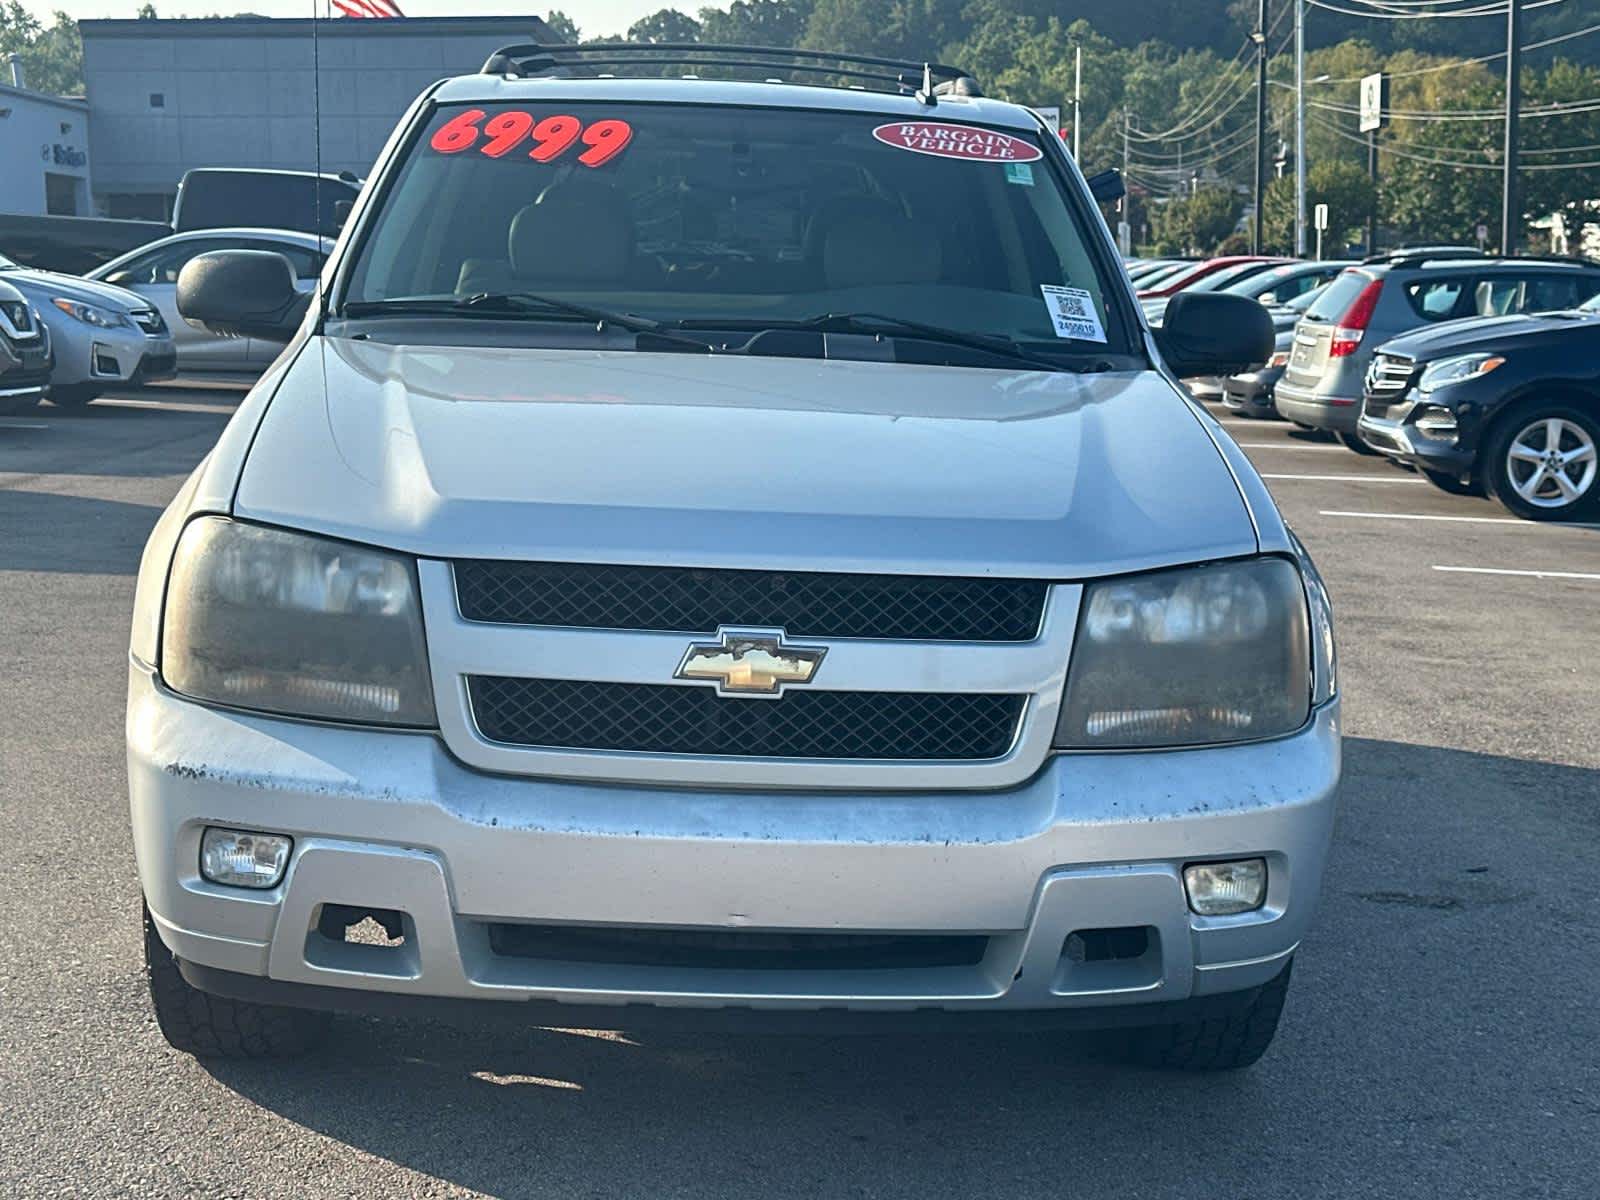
pixel 368 8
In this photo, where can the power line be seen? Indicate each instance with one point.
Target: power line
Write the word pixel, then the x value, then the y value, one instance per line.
pixel 1388 148
pixel 1238 68
pixel 1379 15
pixel 1468 62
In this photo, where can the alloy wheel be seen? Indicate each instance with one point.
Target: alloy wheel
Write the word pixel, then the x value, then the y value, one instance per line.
pixel 1552 462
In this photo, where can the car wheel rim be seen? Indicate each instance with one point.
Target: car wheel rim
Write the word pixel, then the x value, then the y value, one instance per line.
pixel 1552 463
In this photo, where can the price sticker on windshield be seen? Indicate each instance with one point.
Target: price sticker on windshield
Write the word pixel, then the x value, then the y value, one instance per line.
pixel 522 134
pixel 1072 313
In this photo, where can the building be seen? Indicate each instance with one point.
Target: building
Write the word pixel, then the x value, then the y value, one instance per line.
pixel 44 142
pixel 168 95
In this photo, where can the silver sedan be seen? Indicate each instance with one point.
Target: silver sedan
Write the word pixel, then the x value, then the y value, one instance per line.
pixel 152 272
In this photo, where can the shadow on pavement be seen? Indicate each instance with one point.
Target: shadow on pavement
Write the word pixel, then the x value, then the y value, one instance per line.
pixel 1404 1049
pixel 46 531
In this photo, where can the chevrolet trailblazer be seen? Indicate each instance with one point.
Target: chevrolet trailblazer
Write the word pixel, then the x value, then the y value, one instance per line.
pixel 723 550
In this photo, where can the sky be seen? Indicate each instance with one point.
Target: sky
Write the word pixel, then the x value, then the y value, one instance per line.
pixel 593 16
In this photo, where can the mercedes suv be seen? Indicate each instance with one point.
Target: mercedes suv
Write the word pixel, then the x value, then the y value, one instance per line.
pixel 732 551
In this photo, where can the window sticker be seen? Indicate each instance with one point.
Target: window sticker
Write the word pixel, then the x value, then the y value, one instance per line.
pixel 1019 173
pixel 965 142
pixel 551 136
pixel 1072 312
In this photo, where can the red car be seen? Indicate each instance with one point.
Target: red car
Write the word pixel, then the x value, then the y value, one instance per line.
pixel 1198 271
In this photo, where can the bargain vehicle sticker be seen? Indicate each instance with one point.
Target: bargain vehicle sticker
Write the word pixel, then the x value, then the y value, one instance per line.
pixel 1072 313
pixel 542 139
pixel 965 142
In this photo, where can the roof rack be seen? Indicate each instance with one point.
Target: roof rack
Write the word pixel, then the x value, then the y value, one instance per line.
pixel 927 80
pixel 1416 254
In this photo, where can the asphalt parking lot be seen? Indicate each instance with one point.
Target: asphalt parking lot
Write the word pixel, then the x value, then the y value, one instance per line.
pixel 1440 1038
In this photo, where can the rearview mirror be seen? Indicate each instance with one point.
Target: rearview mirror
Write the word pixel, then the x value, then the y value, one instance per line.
pixel 1211 333
pixel 242 293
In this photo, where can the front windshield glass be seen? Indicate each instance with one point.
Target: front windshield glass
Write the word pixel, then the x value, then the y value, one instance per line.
pixel 743 216
pixel 1221 281
pixel 1592 304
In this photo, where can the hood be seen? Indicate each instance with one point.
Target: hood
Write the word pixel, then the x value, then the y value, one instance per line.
pixel 41 286
pixel 673 459
pixel 1485 333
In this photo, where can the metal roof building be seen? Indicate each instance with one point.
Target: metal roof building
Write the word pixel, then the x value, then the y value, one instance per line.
pixel 168 95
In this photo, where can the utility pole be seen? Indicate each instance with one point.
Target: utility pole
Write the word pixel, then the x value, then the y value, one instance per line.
pixel 1260 37
pixel 1077 98
pixel 1125 226
pixel 1511 204
pixel 1299 128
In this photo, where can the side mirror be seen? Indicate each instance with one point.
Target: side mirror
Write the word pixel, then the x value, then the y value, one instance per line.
pixel 1106 186
pixel 1211 333
pixel 242 293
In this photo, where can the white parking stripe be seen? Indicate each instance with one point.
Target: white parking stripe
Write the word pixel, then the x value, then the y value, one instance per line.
pixel 1353 478
pixel 1372 516
pixel 1529 574
pixel 21 425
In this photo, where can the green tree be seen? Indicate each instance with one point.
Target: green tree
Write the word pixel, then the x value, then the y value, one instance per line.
pixel 52 55
pixel 563 26
pixel 756 23
pixel 1197 224
pixel 665 25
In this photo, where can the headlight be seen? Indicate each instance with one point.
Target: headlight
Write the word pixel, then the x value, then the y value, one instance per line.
pixel 287 623
pixel 1456 370
pixel 1188 657
pixel 101 318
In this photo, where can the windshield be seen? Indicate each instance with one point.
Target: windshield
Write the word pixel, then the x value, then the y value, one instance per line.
pixel 740 216
pixel 1592 304
pixel 7 264
pixel 1305 300
pixel 1222 280
pixel 1338 296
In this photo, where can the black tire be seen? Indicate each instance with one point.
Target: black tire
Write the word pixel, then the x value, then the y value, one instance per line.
pixel 1352 441
pixel 77 395
pixel 1224 1043
pixel 207 1026
pixel 1447 482
pixel 1496 468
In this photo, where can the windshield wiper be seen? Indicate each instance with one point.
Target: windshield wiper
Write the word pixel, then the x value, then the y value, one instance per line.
pixel 871 323
pixel 523 304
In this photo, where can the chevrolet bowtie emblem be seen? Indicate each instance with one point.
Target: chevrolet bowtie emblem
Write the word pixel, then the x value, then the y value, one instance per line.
pixel 743 663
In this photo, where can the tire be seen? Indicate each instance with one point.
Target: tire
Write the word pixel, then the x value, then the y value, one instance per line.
pixel 207 1026
pixel 1352 441
pixel 1224 1043
pixel 1447 482
pixel 77 395
pixel 1526 483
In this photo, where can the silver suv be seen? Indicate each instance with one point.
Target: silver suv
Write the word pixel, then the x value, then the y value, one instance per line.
pixel 1389 295
pixel 727 551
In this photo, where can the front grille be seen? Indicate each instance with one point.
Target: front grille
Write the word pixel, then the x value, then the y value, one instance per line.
pixel 1390 376
pixel 804 604
pixel 736 950
pixel 149 320
pixel 668 719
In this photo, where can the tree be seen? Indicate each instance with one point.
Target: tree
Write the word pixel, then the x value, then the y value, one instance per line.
pixel 756 23
pixel 1196 224
pixel 665 25
pixel 563 26
pixel 1342 186
pixel 52 56
pixel 147 12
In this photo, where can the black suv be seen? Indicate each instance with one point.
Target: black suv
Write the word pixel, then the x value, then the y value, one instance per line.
pixel 1507 404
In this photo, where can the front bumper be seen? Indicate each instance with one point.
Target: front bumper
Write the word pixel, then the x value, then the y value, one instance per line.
pixel 1308 406
pixel 88 354
pixel 1252 392
pixel 1404 442
pixel 390 820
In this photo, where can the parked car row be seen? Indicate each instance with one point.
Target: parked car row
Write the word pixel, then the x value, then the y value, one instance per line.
pixel 1481 373
pixel 119 325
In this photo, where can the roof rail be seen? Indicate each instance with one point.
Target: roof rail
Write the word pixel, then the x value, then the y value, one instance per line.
pixel 927 80
pixel 1575 259
pixel 1415 254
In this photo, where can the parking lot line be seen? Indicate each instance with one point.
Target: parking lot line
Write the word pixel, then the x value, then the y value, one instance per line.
pixel 21 425
pixel 1529 574
pixel 1518 521
pixel 1352 478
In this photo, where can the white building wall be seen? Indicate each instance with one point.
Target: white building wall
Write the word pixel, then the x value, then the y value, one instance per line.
pixel 43 136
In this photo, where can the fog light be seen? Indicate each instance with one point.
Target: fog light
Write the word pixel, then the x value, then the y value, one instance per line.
pixel 1224 888
pixel 239 858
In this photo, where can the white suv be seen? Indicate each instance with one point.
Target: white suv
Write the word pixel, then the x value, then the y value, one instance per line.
pixel 726 551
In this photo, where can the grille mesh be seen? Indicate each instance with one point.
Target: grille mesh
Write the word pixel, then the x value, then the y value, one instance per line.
pixel 690 600
pixel 667 719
